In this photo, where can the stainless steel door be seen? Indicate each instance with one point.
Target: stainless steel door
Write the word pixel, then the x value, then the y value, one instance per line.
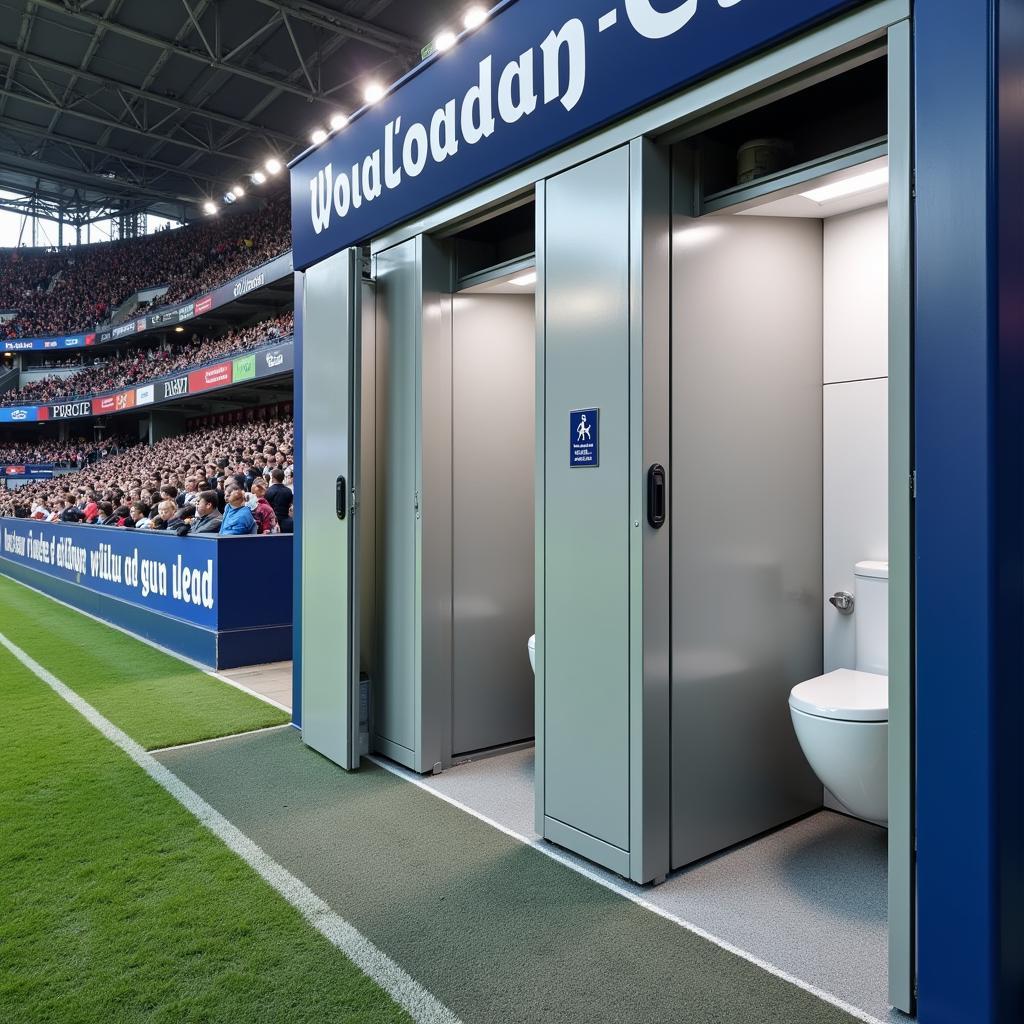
pixel 328 413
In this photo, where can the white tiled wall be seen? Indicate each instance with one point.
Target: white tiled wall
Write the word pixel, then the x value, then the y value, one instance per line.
pixel 855 411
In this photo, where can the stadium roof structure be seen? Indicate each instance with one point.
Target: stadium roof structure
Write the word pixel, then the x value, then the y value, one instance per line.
pixel 158 105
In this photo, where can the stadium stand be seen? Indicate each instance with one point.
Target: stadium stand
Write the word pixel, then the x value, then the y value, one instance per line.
pixel 74 289
pixel 126 489
pixel 137 364
pixel 77 452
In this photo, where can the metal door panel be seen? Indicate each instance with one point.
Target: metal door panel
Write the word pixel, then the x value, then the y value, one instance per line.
pixel 330 415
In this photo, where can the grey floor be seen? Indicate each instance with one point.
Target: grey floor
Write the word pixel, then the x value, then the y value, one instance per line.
pixel 273 680
pixel 810 899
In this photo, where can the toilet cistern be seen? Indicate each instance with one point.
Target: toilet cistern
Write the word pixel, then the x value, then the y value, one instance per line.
pixel 841 718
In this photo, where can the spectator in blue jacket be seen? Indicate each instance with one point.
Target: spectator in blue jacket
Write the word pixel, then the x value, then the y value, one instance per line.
pixel 237 519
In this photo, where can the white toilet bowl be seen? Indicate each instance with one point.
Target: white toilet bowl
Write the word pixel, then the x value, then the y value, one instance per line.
pixel 842 722
pixel 531 646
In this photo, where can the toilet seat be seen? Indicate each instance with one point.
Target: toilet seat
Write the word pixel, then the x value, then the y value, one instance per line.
pixel 844 695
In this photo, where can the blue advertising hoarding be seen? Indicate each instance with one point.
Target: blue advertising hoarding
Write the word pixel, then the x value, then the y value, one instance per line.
pixel 64 341
pixel 23 413
pixel 181 592
pixel 534 76
pixel 27 471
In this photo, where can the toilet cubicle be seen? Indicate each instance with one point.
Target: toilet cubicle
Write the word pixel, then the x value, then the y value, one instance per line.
pixel 604 634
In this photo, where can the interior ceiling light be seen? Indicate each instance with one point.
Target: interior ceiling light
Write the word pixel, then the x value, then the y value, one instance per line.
pixel 474 16
pixel 238 191
pixel 258 177
pixel 338 121
pixel 445 41
pixel 849 186
pixel 318 136
pixel 273 165
pixel 209 208
pixel 373 92
pixel 179 329
pixel 524 280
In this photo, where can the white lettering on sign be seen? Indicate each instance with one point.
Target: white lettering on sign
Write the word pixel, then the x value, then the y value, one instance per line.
pixel 96 559
pixel 407 149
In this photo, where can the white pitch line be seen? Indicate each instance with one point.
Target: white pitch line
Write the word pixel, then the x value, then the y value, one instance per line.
pixel 419 1003
pixel 152 643
pixel 595 875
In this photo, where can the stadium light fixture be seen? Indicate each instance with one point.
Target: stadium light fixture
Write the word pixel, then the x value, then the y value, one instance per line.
pixel 318 136
pixel 237 191
pixel 445 41
pixel 179 329
pixel 258 177
pixel 338 121
pixel 209 208
pixel 273 165
pixel 373 92
pixel 474 17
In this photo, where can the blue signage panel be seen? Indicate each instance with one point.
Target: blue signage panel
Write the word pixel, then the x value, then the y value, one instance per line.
pixel 181 592
pixel 23 413
pixel 584 438
pixel 60 342
pixel 27 471
pixel 161 573
pixel 531 78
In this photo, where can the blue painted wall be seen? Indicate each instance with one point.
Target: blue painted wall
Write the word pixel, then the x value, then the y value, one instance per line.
pixel 970 572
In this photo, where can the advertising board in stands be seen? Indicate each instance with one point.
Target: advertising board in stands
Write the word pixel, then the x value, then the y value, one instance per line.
pixel 24 413
pixel 173 388
pixel 71 410
pixel 216 376
pixel 272 361
pixel 33 471
pixel 120 402
pixel 278 268
pixel 243 368
pixel 173 590
pixel 264 362
pixel 123 329
pixel 61 342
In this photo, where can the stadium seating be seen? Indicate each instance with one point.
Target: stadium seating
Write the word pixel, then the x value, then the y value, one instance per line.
pixel 216 458
pixel 74 452
pixel 137 364
pixel 74 289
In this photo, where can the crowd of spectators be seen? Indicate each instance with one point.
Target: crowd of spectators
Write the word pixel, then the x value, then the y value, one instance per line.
pixel 228 480
pixel 77 452
pixel 136 365
pixel 76 288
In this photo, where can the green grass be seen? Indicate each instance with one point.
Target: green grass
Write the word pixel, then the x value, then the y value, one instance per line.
pixel 155 698
pixel 116 905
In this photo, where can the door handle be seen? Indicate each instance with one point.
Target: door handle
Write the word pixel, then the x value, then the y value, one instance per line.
pixel 340 498
pixel 656 496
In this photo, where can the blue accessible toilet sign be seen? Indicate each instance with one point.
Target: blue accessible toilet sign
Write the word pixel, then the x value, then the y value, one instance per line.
pixel 584 438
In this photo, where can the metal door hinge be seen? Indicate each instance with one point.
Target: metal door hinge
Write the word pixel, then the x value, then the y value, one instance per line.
pixel 416 503
pixel 913 484
pixel 354 502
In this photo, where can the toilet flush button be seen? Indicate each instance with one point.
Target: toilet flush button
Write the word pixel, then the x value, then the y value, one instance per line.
pixel 842 601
